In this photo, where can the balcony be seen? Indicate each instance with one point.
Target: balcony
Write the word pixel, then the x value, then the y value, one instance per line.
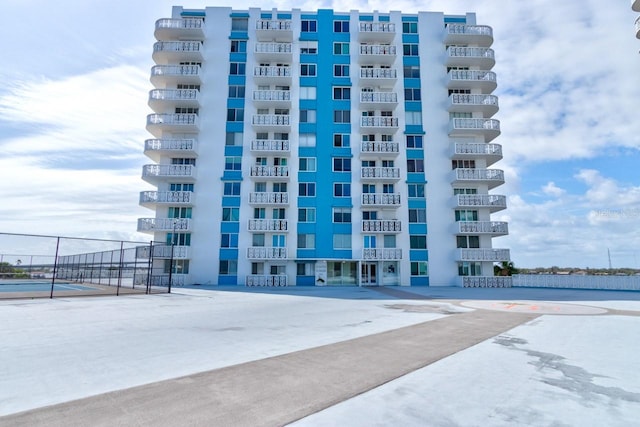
pixel 381 200
pixel 267 225
pixel 168 99
pixel 277 147
pixel 488 128
pixel 480 35
pixel 276 29
pixel 384 54
pixel 379 149
pixel 177 279
pixel 494 228
pixel 266 280
pixel 485 104
pixel 152 199
pixel 378 100
pixel 171 75
pixel 638 27
pixel 272 122
pixel 272 98
pixel 460 56
pixel 265 252
pixel 491 153
pixel 490 177
pixel 379 174
pixel 378 124
pixel 267 74
pixel 493 202
pixel 179 29
pixel 270 172
pixel 155 173
pixel 269 199
pixel 273 51
pixel 492 255
pixel 485 81
pixel 485 281
pixel 151 225
pixel 381 226
pixel 382 77
pixel 173 52
pixel 163 252
pixel 382 254
pixel 369 32
pixel 175 123
pixel 635 5
pixel 156 148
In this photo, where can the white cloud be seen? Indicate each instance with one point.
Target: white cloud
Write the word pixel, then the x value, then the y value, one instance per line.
pixel 553 190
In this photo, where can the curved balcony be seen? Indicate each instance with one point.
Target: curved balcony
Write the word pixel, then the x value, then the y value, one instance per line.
pixel 379 174
pixel 485 281
pixel 381 200
pixel 491 153
pixel 174 52
pixel 381 254
pixel 268 199
pixel 152 199
pixel 381 226
pixel 267 225
pixel 156 148
pixel 378 100
pixel 266 280
pixel 273 51
pixel 384 54
pixel 171 75
pixel 494 228
pixel 369 32
pixel 178 123
pixel 269 172
pixel 635 5
pixel 155 174
pixel 151 225
pixel 488 128
pixel 492 255
pixel 490 177
pixel 163 252
pixel 482 80
pixel 462 56
pixel 485 104
pixel 493 202
pixel 179 29
pixel 375 149
pixel 163 99
pixel 378 124
pixel 272 122
pixel 277 147
pixel 479 35
pixel 274 29
pixel 266 252
pixel 266 74
pixel 638 27
pixel 272 98
pixel 381 77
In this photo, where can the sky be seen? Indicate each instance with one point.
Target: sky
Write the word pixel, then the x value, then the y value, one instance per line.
pixel 74 103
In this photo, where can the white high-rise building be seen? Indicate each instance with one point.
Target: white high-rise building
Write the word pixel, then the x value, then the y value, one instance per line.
pixel 323 148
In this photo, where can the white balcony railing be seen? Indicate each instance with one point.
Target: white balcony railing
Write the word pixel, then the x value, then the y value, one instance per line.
pixel 489 128
pixel 467 101
pixel 166 197
pixel 382 254
pixel 174 95
pixel 164 224
pixel 271 120
pixel 379 97
pixel 175 51
pixel 377 27
pixel 273 48
pixel 380 147
pixel 266 280
pixel 378 73
pixel 477 149
pixel 172 29
pixel 481 79
pixel 270 145
pixel 168 144
pixel 269 198
pixel 272 71
pixel 380 173
pixel 270 171
pixel 168 171
pixel 379 121
pixel 486 281
pixel 492 177
pixel 267 225
pixel 483 57
pixel 175 73
pixel 378 49
pixel 492 255
pixel 471 34
pixel 271 95
pixel 265 252
pixel 274 25
pixel 381 199
pixel 482 227
pixel 494 201
pixel 381 226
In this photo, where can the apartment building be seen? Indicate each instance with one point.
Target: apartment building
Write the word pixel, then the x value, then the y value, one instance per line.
pixel 323 148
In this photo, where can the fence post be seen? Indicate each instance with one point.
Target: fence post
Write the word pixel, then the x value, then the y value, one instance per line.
pixel 55 268
pixel 149 267
pixel 120 268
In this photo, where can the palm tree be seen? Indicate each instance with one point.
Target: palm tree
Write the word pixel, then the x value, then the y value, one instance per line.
pixel 505 268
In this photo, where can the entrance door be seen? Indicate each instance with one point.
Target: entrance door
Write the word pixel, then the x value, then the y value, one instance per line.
pixel 369 274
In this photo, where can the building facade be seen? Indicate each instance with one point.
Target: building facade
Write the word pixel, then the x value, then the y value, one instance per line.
pixel 323 148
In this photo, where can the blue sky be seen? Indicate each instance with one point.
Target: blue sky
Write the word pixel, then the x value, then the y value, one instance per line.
pixel 73 108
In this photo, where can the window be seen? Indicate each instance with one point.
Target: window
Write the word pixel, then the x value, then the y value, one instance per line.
pixel 389 241
pixel 180 266
pixel 175 212
pixel 235 114
pixel 306 214
pixel 415 165
pixel 410 28
pixel 309 26
pixel 467 241
pixel 342 241
pixel 308 92
pixel 341 140
pixel 259 213
pixel 307 140
pixel 412 95
pixel 237 68
pixel 342 215
pixel 278 241
pixel 368 189
pixel 183 161
pixel 231 188
pixel 340 26
pixel 257 268
pixel 309 47
pixel 181 239
pixel 465 164
pixel 414 141
pixel 387 188
pixel 342 189
pixel 307 116
pixel 279 213
pixel 277 269
pixel 307 69
pixel 341 93
pixel 469 269
pixel 369 215
pixel 305 269
pixel 307 189
pixel 180 187
pixel 307 164
pixel 410 49
pixel 236 91
pixel 341 164
pixel 466 215
pixel 239 24
pixel 234 138
pixel 457 191
pixel 415 190
pixel 257 239
pixel 369 242
pixel 238 46
pixel 419 268
pixel 230 214
pixel 418 242
pixel 341 71
pixel 228 267
pixel 413 117
pixel 260 187
pixel 418 215
pixel 279 187
pixel 341 48
pixel 229 240
pixel 306 241
pixel 411 71
pixel 342 116
pixel 233 163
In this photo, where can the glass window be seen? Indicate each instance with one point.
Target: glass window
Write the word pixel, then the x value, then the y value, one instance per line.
pixel 411 71
pixel 415 165
pixel 342 116
pixel 308 92
pixel 234 138
pixel 307 140
pixel 410 49
pixel 228 267
pixel 342 215
pixel 341 93
pixel 309 47
pixel 308 26
pixel 307 164
pixel 341 140
pixel 420 268
pixel 415 190
pixel 341 48
pixel 418 215
pixel 307 189
pixel 342 189
pixel 341 71
pixel 237 68
pixel 231 188
pixel 239 24
pixel 413 117
pixel 230 214
pixel 306 241
pixel 414 141
pixel 412 94
pixel 306 214
pixel 235 114
pixel 229 240
pixel 307 116
pixel 410 28
pixel 233 163
pixel 342 241
pixel 238 46
pixel 307 69
pixel 340 26
pixel 418 242
pixel 341 164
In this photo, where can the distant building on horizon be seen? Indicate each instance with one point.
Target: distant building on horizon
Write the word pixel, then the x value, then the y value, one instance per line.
pixel 323 148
